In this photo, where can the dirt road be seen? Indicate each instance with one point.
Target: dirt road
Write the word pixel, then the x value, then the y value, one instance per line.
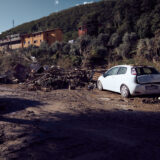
pixel 77 124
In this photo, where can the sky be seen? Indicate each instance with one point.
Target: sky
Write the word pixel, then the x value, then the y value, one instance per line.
pixel 21 11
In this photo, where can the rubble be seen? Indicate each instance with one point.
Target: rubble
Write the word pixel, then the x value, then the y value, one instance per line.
pixel 154 100
pixel 47 78
pixel 58 78
pixel 17 74
pixel 3 79
pixel 97 73
pixel 36 68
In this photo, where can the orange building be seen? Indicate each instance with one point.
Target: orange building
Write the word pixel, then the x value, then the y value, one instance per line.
pixel 82 31
pixel 17 41
pixel 37 38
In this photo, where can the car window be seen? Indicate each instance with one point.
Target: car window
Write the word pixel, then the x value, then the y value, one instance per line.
pixel 146 70
pixel 112 71
pixel 122 70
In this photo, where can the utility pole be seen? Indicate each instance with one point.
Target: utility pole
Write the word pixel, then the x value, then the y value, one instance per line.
pixel 57 5
pixel 13 23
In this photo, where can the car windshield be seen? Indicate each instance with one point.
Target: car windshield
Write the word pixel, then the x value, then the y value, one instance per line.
pixel 146 70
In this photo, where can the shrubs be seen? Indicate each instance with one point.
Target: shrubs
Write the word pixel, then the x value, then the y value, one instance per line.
pixel 99 56
pixel 128 45
pixel 85 51
pixel 7 62
pixel 145 48
pixel 103 39
pixel 88 51
pixel 115 40
pixel 123 50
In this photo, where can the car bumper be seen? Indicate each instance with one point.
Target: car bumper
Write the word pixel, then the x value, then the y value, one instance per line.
pixel 145 89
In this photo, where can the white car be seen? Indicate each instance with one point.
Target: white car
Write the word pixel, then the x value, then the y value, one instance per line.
pixel 130 80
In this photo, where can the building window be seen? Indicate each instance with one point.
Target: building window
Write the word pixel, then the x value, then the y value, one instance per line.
pixel 35 41
pixel 24 42
pixel 29 42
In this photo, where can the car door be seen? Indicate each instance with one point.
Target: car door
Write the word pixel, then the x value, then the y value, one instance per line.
pixel 120 78
pixel 110 78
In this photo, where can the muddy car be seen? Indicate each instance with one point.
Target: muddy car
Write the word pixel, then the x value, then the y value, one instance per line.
pixel 130 80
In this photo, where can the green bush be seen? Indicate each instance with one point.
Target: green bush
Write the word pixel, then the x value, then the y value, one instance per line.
pixel 115 40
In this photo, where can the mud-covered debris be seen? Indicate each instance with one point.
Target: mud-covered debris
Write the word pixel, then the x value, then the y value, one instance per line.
pixel 17 74
pixel 58 78
pixel 97 73
pixel 31 87
pixel 91 86
pixel 36 68
pixel 46 89
pixel 3 79
pixel 20 72
pixel 151 100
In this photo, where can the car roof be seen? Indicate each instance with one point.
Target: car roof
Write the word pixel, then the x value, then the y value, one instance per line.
pixel 123 66
pixel 127 65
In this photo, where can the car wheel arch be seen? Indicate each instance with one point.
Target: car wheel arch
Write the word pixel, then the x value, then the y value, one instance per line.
pixel 100 85
pixel 128 94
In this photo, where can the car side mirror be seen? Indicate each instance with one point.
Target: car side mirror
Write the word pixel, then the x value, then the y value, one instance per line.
pixel 104 75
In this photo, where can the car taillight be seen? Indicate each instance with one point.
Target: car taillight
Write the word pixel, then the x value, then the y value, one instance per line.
pixel 133 71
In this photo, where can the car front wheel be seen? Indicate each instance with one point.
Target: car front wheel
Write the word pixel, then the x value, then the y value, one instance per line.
pixel 99 85
pixel 125 91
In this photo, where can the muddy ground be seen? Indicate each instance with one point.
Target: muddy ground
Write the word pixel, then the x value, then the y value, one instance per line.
pixel 77 124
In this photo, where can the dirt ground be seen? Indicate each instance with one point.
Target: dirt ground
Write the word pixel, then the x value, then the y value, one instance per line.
pixel 77 124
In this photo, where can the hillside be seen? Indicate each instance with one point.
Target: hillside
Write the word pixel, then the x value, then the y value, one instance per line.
pixel 122 31
pixel 68 20
pixel 140 16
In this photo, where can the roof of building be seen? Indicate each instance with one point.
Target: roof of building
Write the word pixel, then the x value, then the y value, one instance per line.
pixel 35 33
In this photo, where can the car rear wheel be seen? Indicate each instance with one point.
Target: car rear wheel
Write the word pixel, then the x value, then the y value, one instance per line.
pixel 125 91
pixel 99 85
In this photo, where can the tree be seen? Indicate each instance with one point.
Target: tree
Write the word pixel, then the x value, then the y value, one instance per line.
pixel 103 39
pixel 155 22
pixel 123 50
pixel 115 40
pixel 144 26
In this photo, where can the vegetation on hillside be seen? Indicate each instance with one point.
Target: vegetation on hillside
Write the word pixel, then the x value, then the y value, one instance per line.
pixel 120 16
pixel 119 31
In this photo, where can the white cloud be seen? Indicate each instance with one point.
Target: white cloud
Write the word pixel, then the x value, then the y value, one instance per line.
pixel 87 2
pixel 84 3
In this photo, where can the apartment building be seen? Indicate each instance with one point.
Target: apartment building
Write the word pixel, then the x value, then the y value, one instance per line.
pixel 23 41
pixel 37 38
pixel 11 42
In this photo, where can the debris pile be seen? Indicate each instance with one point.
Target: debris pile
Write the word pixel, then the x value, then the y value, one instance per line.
pixel 97 73
pixel 17 74
pixel 155 100
pixel 58 78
